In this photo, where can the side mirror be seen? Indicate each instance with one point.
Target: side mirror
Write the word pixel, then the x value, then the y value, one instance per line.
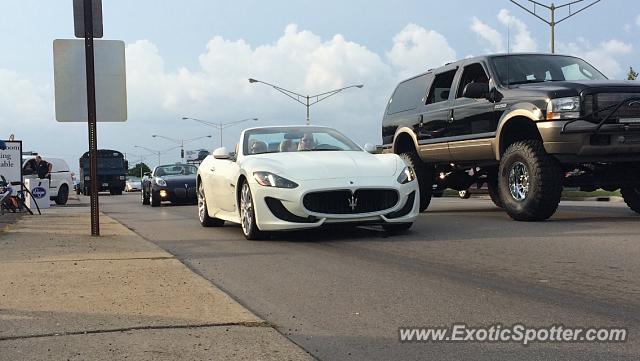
pixel 221 153
pixel 369 148
pixel 476 90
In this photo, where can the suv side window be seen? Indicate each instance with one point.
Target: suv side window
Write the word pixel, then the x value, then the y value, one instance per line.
pixel 408 94
pixel 473 73
pixel 441 87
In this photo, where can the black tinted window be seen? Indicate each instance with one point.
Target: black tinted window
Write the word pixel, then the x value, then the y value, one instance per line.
pixel 408 94
pixel 521 69
pixel 441 87
pixel 473 73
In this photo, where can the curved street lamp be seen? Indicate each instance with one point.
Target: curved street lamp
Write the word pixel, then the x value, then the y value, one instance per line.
pixel 218 125
pixel 180 141
pixel 309 100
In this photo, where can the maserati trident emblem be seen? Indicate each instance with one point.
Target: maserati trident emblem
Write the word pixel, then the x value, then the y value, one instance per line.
pixel 353 202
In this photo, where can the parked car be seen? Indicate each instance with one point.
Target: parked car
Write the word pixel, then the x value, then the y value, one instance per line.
pixel 133 184
pixel 175 183
pixel 527 124
pixel 61 182
pixel 297 177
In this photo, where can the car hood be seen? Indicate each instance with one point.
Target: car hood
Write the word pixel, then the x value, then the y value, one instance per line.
pixel 325 165
pixel 558 89
pixel 179 178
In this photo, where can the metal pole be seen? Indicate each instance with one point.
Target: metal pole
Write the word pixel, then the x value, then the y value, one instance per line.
pixel 308 120
pixel 91 113
pixel 220 125
pixel 553 28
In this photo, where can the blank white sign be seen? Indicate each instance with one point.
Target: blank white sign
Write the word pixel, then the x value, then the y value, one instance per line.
pixel 70 80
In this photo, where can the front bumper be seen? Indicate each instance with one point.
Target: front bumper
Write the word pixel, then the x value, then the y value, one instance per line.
pixel 175 195
pixel 293 215
pixel 583 141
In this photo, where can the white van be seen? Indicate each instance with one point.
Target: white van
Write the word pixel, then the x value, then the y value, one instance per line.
pixel 61 182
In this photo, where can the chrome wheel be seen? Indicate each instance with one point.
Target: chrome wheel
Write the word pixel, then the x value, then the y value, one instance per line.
pixel 519 181
pixel 202 204
pixel 246 209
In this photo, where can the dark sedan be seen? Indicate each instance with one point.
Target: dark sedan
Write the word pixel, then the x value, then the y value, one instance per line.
pixel 175 183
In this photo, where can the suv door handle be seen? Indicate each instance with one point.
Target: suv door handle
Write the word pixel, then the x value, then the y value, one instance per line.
pixel 450 120
pixel 213 169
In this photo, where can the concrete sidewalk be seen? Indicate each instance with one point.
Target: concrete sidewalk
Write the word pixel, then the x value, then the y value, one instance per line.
pixel 67 295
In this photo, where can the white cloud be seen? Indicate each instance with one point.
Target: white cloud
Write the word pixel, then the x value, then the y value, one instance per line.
pixel 522 41
pixel 21 101
pixel 488 34
pixel 416 49
pixel 520 36
pixel 603 56
pixel 638 20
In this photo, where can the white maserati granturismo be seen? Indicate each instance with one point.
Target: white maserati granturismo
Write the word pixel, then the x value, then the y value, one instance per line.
pixel 296 177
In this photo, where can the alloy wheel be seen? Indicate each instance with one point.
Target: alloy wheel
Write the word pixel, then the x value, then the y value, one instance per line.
pixel 202 205
pixel 246 208
pixel 519 181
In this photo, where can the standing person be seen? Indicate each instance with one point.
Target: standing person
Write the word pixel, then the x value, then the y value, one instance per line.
pixel 44 168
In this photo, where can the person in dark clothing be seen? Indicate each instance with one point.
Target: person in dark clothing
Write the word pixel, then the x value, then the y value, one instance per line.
pixel 38 166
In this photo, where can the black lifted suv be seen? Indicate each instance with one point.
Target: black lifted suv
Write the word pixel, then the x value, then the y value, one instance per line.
pixel 526 125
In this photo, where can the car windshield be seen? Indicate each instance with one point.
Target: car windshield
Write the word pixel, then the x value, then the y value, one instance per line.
pixel 295 139
pixel 523 69
pixel 175 169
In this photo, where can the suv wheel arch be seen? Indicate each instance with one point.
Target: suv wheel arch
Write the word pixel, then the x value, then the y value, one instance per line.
pixel 514 129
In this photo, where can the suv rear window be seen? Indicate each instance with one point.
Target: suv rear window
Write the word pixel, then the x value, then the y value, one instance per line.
pixel 441 87
pixel 408 94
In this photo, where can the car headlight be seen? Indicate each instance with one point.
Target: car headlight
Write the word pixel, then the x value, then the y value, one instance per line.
pixel 273 180
pixel 407 175
pixel 161 182
pixel 563 108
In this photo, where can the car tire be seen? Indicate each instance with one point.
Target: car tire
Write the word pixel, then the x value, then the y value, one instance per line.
pixel 63 195
pixel 248 215
pixel 203 211
pixel 492 187
pixel 155 201
pixel 631 197
pixel 145 198
pixel 530 181
pixel 424 173
pixel 464 194
pixel 396 227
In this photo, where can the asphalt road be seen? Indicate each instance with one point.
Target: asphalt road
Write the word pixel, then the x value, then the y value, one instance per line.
pixel 343 294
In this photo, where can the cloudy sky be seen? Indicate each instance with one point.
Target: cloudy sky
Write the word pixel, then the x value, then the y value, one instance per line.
pixel 193 57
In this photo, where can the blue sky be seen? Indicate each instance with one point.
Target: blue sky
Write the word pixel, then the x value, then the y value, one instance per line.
pixel 192 58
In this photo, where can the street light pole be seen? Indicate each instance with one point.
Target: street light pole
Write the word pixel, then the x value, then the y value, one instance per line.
pixel 308 102
pixel 552 8
pixel 218 125
pixel 180 141
pixel 155 152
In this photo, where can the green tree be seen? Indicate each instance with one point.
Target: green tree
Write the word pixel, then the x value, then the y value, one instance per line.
pixel 632 75
pixel 138 169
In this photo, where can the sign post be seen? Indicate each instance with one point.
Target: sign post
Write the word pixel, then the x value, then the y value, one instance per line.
pixel 91 113
pixel 11 162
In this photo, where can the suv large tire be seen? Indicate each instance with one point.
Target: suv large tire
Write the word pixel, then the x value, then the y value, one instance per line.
pixel 424 172
pixel 631 198
pixel 492 187
pixel 63 195
pixel 530 181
